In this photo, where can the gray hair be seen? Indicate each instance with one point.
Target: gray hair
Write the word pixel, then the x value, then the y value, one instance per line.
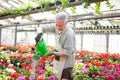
pixel 61 16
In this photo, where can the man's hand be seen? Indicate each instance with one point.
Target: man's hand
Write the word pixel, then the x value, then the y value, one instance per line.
pixel 61 54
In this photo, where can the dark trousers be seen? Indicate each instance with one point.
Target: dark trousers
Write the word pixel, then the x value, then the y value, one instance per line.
pixel 67 73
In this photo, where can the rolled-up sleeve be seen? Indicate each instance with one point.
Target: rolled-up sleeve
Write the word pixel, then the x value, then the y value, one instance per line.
pixel 48 28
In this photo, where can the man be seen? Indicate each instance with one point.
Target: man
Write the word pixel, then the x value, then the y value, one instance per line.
pixel 65 46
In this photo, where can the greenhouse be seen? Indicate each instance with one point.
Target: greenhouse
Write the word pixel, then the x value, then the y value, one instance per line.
pixel 96 25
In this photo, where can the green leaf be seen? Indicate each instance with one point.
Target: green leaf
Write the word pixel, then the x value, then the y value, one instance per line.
pixel 109 4
pixel 73 9
pixel 87 3
pixel 65 3
pixel 97 8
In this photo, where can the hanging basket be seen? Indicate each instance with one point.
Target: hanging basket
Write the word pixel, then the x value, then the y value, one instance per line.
pixel 93 1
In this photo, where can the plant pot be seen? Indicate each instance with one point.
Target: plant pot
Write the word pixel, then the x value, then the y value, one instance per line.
pixel 72 0
pixel 38 7
pixel 93 1
pixel 58 3
pixel 52 4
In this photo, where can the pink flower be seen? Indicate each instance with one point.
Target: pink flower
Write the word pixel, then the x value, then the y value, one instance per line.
pixel 47 64
pixel 52 77
pixel 40 70
pixel 87 66
pixel 110 77
pixel 34 69
pixel 83 71
pixel 93 76
pixel 52 63
pixel 100 74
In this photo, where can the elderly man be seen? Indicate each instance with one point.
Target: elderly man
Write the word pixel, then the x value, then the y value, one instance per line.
pixel 65 46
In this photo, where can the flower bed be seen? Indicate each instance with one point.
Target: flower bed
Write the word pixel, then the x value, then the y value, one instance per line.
pixel 97 66
pixel 16 64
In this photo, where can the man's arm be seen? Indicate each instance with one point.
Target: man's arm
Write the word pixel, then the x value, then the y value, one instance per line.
pixel 42 29
pixel 46 28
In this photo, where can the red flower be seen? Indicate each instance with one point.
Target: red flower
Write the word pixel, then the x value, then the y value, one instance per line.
pixel 41 77
pixel 28 67
pixel 42 60
pixel 11 78
pixel 51 57
pixel 5 63
pixel 15 74
pixel 23 58
pixel 23 64
pixel 99 65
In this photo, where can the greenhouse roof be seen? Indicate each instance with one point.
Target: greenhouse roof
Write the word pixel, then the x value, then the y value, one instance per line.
pixel 34 15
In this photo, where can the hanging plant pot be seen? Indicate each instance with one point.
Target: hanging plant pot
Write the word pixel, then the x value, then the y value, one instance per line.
pixel 91 28
pixel 38 7
pixel 72 0
pixel 117 32
pixel 103 27
pixel 107 27
pixel 86 28
pixel 52 4
pixel 96 1
pixel 58 3
pixel 97 27
pixel 111 27
pixel 100 27
pixel 117 27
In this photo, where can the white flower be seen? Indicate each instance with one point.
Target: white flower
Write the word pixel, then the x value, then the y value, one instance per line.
pixel 1 60
pixel 10 65
pixel 82 64
pixel 8 61
pixel 2 52
pixel 12 52
pixel 10 70
pixel 18 64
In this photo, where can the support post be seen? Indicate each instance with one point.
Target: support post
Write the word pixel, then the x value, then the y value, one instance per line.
pixel 82 41
pixel 74 26
pixel 0 34
pixel 107 42
pixel 15 40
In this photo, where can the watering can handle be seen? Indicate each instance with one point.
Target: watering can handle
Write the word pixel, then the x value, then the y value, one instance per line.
pixel 38 37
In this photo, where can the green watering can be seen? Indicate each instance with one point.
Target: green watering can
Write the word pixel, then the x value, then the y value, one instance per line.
pixel 41 48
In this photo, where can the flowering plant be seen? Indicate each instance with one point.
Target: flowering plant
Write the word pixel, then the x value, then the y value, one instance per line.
pixel 99 66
